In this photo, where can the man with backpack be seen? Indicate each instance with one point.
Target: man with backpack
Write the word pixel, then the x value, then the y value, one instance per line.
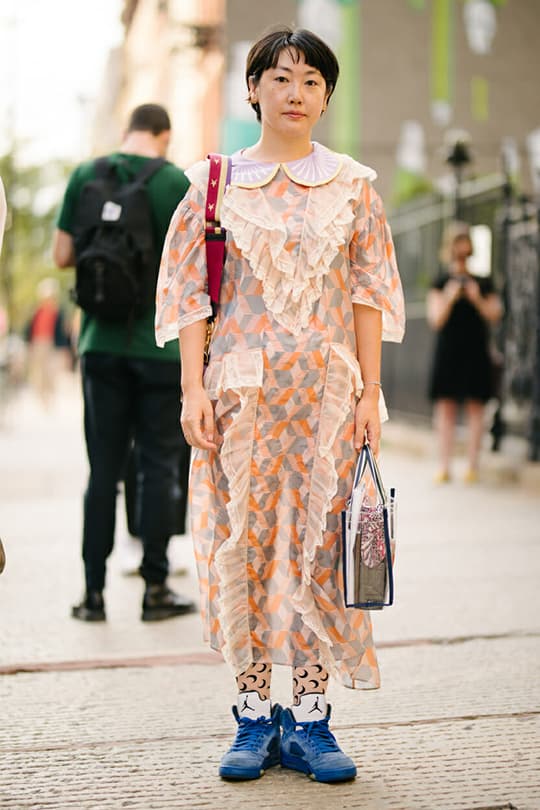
pixel 111 227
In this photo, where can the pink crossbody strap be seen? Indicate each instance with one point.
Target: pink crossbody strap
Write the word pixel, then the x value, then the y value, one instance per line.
pixel 219 178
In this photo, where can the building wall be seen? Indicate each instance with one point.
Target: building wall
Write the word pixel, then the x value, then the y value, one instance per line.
pixel 171 55
pixel 396 83
pixel 395 51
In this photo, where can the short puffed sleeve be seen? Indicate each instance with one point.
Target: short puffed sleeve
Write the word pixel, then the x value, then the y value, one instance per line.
pixel 375 279
pixel 181 292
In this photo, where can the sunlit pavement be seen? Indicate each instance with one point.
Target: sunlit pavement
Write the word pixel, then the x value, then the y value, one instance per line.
pixel 131 715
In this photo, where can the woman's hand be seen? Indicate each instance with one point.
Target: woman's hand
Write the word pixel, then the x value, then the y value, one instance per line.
pixel 198 419
pixel 472 291
pixel 452 290
pixel 367 420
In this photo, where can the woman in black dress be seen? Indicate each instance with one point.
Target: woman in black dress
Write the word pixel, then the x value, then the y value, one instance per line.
pixel 460 310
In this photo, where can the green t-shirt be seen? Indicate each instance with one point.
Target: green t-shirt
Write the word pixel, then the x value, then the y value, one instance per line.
pixel 165 190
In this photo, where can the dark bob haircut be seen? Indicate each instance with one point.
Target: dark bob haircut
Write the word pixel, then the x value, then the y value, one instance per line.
pixel 265 54
pixel 149 118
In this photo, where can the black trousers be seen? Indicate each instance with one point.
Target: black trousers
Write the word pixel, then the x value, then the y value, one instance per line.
pixel 130 490
pixel 130 400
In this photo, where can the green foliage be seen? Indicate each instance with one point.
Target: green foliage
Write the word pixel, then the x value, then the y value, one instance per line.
pixel 33 194
pixel 407 186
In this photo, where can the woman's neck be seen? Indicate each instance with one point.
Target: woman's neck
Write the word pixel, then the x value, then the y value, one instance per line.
pixel 270 149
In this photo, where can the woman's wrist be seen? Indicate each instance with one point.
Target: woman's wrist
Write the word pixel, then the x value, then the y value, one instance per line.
pixel 191 386
pixel 371 390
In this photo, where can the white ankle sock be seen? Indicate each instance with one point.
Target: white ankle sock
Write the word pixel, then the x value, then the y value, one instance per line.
pixel 311 707
pixel 250 705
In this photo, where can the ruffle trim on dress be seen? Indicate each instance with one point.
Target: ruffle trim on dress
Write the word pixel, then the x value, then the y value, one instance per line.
pixel 292 284
pixel 169 331
pixel 242 374
pixel 335 409
pixel 366 674
pixel 350 360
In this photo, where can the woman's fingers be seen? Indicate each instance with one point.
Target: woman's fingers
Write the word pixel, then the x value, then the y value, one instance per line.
pixel 360 432
pixel 198 435
pixel 367 425
pixel 208 425
pixel 198 423
pixel 373 433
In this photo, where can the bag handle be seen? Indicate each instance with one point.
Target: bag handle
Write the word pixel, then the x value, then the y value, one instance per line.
pixel 367 459
pixel 219 177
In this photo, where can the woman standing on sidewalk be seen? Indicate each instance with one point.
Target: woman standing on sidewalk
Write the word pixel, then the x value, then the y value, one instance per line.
pixel 460 309
pixel 310 287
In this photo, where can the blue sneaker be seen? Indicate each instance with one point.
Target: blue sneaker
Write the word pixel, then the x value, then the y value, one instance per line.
pixel 312 748
pixel 255 749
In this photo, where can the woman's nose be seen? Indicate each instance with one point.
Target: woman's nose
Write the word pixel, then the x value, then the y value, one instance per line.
pixel 295 92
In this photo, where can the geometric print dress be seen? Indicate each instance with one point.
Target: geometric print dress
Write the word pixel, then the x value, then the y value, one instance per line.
pixel 305 241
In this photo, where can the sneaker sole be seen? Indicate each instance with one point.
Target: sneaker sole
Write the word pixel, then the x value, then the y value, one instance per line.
pixel 297 764
pixel 238 775
pixel 232 775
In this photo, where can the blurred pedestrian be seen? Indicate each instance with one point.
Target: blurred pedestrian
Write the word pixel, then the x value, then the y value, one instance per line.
pixel 460 309
pixel 310 287
pixel 112 225
pixel 3 213
pixel 48 341
pixel 129 546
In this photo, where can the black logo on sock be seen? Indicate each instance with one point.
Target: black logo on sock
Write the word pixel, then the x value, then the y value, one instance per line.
pixel 316 707
pixel 246 706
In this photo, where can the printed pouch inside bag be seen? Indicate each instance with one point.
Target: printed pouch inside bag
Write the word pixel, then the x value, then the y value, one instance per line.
pixel 368 533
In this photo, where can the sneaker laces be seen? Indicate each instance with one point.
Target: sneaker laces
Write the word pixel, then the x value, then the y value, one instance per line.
pixel 250 733
pixel 319 735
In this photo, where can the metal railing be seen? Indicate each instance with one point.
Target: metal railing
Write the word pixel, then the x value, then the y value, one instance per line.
pixel 417 229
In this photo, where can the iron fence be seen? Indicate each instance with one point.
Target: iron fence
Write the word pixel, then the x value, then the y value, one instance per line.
pixel 417 230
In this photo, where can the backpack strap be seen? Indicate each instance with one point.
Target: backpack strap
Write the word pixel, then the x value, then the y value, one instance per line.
pixel 148 170
pixel 219 177
pixel 104 167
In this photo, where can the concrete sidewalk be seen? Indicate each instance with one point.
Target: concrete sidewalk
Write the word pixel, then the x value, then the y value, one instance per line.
pixel 130 715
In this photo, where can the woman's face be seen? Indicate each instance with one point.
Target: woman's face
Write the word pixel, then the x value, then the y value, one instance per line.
pixel 291 96
pixel 462 249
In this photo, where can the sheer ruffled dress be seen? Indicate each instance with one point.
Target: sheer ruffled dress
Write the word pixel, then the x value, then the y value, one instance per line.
pixel 305 241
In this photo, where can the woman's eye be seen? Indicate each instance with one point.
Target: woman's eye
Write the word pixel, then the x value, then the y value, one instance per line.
pixel 281 79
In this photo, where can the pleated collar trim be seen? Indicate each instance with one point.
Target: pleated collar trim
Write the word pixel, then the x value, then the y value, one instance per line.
pixel 321 166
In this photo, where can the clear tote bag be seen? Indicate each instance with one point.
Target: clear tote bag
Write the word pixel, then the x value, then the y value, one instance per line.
pixel 368 537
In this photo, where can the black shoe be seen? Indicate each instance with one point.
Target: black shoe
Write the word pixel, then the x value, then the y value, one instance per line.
pixel 2 557
pixel 91 609
pixel 160 602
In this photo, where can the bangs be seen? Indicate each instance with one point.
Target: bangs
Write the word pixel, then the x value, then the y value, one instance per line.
pixel 265 54
pixel 310 55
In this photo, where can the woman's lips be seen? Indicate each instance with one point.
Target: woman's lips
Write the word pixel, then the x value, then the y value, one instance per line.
pixel 294 115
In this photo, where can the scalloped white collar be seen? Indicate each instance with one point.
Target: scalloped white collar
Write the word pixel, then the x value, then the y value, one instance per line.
pixel 319 167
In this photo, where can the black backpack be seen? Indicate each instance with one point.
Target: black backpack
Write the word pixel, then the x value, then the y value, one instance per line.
pixel 117 259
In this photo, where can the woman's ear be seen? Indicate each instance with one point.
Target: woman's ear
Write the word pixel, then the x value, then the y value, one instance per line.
pixel 252 84
pixel 325 103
